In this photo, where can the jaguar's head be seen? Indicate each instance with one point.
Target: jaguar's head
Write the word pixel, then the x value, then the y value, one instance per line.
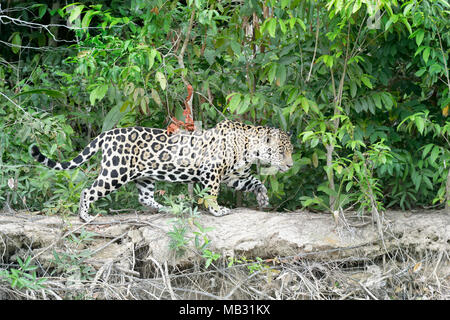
pixel 275 148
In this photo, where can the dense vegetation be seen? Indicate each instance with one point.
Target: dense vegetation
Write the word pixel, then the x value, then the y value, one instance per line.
pixel 363 85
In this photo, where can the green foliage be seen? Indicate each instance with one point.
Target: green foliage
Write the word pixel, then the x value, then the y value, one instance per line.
pixel 257 265
pixel 365 89
pixel 70 263
pixel 24 277
pixel 185 223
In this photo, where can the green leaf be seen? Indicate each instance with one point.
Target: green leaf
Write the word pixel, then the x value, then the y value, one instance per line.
pixel 155 97
pixel 151 57
pixel 420 124
pixel 75 13
pixel 244 105
pixel 428 182
pixel 274 183
pixel 42 10
pixel 426 54
pixel 407 25
pixel 16 40
pixel 408 8
pixel 348 186
pixel 327 190
pixel 365 79
pixel 113 117
pixel 234 102
pixel 282 25
pixel 419 50
pixel 371 105
pixel 419 36
pixel 87 18
pixel 306 135
pixel 434 154
pixel 272 72
pixel 210 56
pixel 281 75
pixel 377 99
pixel 365 104
pixel 49 92
pixel 353 88
pixel 435 68
pixel 271 26
pixel 356 6
pixel 328 60
pixel 236 47
pixel 292 22
pixel 417 179
pixel 161 79
pixel 305 104
pixel 125 106
pixel 392 19
pixel 98 93
pixel 282 118
pixel 302 24
pixel 426 150
pixel 420 72
pixel 358 106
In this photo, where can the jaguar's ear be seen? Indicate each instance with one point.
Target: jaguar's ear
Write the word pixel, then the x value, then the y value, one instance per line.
pixel 290 134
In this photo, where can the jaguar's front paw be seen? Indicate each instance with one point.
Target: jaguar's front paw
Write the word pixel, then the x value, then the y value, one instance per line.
pixel 219 211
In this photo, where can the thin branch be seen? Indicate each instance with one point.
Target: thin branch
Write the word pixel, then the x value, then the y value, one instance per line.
pixel 35 25
pixel 209 100
pixel 445 60
pixel 315 47
pixel 18 106
pixel 183 48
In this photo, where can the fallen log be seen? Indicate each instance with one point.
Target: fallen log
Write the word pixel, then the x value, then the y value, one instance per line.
pixel 260 255
pixel 119 239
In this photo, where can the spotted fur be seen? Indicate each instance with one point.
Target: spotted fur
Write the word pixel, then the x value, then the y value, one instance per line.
pixel 223 154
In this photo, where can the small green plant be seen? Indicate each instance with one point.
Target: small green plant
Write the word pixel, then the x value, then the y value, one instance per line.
pixel 210 257
pixel 178 240
pixel 24 277
pixel 186 214
pixel 71 262
pixel 252 265
pixel 258 265
pixel 181 208
pixel 201 239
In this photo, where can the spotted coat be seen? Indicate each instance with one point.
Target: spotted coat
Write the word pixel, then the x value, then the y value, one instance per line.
pixel 223 154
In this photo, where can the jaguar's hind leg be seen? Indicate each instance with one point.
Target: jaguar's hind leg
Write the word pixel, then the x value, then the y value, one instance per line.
pixel 146 189
pixel 213 186
pixel 101 187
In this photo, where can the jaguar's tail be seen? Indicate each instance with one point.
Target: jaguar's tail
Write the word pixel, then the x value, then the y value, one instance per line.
pixel 84 155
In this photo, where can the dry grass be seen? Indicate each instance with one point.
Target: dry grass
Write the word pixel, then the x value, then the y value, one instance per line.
pixel 399 274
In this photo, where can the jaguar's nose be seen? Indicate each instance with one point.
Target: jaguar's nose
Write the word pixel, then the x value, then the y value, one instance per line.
pixel 290 163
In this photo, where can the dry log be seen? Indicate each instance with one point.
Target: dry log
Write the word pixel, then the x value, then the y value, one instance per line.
pixel 125 238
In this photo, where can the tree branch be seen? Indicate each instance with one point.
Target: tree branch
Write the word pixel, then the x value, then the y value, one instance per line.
pixel 183 48
pixel 315 47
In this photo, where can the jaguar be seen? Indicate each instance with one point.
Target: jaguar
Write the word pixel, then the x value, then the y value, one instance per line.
pixel 222 154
